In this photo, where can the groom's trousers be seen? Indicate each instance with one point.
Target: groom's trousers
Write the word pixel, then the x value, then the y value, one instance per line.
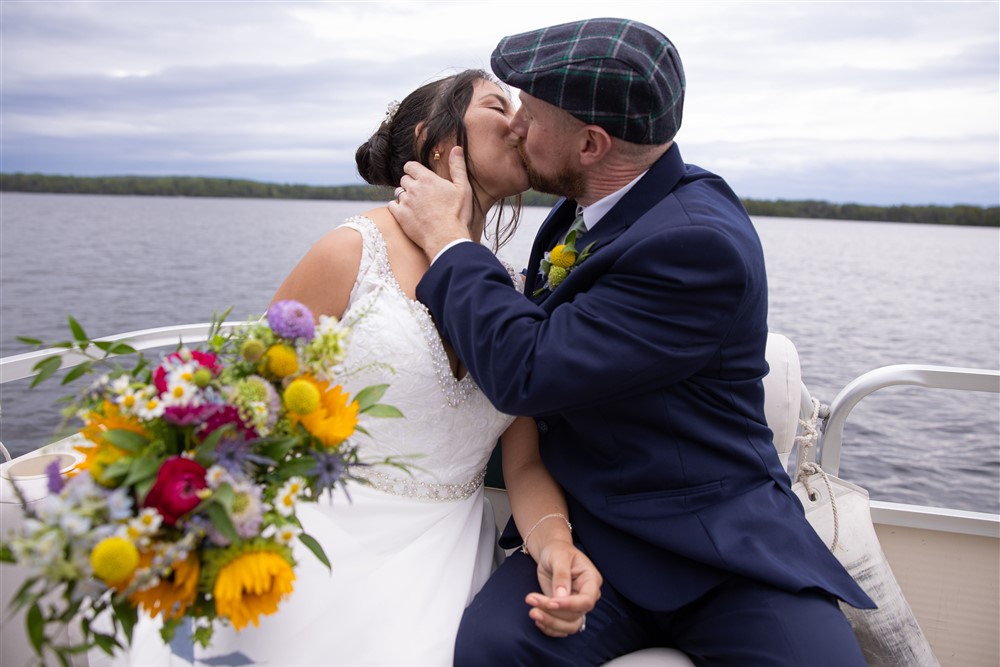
pixel 739 623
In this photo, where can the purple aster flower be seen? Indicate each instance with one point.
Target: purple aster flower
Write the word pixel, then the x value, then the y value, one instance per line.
pixel 291 319
pixel 54 478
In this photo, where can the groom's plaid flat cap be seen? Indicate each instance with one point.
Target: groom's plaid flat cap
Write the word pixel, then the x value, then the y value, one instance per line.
pixel 618 74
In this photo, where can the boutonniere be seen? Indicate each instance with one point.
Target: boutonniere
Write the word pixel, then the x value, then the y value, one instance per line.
pixel 559 261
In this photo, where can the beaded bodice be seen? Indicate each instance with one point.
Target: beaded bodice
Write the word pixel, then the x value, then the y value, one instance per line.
pixel 449 427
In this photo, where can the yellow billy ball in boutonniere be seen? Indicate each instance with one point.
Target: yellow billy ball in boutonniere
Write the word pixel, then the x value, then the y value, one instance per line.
pixel 559 261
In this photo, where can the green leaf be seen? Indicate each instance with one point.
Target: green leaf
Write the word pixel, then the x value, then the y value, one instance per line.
pixel 130 441
pixel 382 410
pixel 122 348
pixel 24 594
pixel 27 340
pixel 116 473
pixel 224 496
pixel 105 642
pixel 127 615
pixel 46 367
pixel 142 469
pixel 36 627
pixel 77 330
pixel 370 395
pixel 169 629
pixel 203 635
pixel 315 547
pixel 277 448
pixel 217 515
pixel 296 467
pixel 6 555
pixel 77 372
pixel 204 452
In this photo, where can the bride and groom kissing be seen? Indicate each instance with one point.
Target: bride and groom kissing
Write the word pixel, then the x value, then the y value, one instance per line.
pixel 649 505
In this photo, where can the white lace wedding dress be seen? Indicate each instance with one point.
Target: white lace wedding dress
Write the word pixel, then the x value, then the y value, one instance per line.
pixel 408 553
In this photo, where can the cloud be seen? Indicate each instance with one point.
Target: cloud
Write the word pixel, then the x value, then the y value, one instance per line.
pixel 860 101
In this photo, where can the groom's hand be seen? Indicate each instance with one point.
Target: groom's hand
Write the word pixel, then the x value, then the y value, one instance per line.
pixel 571 586
pixel 434 211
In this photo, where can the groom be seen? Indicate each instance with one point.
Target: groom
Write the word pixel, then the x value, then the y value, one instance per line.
pixel 639 350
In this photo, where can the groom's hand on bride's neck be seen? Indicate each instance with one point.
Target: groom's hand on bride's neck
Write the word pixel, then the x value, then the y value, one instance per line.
pixel 433 211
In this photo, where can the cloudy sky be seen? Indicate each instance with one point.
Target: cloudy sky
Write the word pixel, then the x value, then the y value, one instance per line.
pixel 869 102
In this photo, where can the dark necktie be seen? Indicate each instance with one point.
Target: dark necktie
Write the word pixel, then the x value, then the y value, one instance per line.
pixel 578 226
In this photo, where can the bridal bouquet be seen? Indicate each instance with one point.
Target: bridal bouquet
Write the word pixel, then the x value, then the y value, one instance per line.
pixel 184 505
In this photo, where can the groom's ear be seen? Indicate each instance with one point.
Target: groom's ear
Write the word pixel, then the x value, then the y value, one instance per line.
pixel 596 144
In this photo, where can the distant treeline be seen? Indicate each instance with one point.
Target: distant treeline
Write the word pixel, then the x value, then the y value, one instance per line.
pixel 189 186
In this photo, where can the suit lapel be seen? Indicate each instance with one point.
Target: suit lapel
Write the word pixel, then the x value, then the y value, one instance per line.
pixel 652 188
pixel 552 228
pixel 661 179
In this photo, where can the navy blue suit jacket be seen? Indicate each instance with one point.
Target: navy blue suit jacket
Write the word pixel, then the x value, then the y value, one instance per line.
pixel 644 372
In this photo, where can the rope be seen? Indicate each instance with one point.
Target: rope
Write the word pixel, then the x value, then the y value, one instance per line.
pixel 807 468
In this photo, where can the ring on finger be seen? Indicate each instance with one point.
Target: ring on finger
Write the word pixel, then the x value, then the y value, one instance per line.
pixel 399 191
pixel 583 624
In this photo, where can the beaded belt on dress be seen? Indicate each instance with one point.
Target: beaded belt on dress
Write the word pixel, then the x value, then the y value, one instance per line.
pixel 414 488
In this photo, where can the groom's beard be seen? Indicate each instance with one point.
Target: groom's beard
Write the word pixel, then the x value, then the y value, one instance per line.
pixel 565 182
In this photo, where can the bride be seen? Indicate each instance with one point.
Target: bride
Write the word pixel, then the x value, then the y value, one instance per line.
pixel 409 553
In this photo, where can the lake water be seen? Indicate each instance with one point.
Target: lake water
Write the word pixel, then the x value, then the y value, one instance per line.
pixel 852 296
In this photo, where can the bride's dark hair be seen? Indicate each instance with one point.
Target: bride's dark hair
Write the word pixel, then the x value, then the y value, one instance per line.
pixel 440 106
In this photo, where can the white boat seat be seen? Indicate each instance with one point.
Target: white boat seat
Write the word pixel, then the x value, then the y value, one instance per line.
pixel 652 657
pixel 782 393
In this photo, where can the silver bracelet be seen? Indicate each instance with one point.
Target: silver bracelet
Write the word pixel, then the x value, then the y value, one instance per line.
pixel 524 544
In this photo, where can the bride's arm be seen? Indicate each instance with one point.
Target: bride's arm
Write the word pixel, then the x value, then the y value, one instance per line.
pixel 324 277
pixel 570 583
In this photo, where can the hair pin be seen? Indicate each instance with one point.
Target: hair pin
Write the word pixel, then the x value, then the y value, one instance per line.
pixel 390 110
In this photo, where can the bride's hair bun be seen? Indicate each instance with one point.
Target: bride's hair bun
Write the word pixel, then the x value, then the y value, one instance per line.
pixel 374 157
pixel 439 106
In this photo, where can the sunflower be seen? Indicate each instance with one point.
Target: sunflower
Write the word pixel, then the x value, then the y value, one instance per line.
pixel 102 453
pixel 175 591
pixel 252 580
pixel 336 417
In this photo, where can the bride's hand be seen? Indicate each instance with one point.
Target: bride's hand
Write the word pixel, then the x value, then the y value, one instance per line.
pixel 431 210
pixel 571 586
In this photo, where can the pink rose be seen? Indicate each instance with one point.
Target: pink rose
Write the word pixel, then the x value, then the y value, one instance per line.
pixel 175 492
pixel 206 360
pixel 224 416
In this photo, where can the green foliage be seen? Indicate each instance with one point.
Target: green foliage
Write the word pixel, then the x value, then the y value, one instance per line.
pixel 977 216
pixel 193 186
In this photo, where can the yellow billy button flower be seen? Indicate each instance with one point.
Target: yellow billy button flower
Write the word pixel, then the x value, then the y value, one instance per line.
pixel 280 361
pixel 252 350
pixel 301 396
pixel 562 257
pixel 114 559
pixel 202 377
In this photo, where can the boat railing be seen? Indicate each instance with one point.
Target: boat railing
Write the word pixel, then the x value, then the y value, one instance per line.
pixel 934 377
pixel 20 366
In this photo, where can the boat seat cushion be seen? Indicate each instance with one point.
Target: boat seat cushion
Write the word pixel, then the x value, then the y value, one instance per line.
pixel 782 393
